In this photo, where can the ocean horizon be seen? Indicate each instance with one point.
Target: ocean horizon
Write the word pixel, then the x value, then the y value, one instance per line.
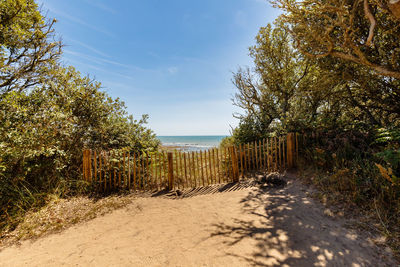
pixel 191 142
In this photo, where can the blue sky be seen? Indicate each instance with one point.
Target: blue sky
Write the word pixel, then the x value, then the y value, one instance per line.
pixel 170 59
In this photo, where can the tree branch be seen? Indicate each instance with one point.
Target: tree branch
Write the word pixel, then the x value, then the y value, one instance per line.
pixel 372 21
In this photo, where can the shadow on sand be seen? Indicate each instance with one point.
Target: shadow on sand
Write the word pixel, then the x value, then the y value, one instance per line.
pixel 290 229
pixel 205 190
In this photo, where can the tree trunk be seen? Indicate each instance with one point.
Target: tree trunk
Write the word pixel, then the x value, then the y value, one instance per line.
pixel 394 7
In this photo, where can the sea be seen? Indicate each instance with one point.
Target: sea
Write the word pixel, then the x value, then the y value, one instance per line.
pixel 192 143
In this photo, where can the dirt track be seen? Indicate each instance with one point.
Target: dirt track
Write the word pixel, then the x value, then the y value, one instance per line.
pixel 240 225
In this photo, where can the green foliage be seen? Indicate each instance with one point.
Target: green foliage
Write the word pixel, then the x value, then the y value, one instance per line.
pixel 49 114
pixel 342 29
pixel 27 46
pixel 387 136
pixel 290 92
pixel 323 71
pixel 227 142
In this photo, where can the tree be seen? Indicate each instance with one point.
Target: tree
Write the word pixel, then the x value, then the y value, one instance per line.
pixel 364 32
pixel 281 92
pixel 49 114
pixel 27 46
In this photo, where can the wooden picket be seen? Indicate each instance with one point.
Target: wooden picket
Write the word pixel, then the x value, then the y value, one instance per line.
pixel 114 170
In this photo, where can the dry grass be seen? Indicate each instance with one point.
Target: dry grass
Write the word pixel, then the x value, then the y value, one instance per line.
pixel 368 215
pixel 60 214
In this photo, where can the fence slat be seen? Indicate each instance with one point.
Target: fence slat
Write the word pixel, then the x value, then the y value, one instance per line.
pixel 279 154
pixel 194 170
pixel 284 152
pixel 205 167
pixel 186 171
pixel 111 170
pixel 264 154
pixel 218 162
pixel 210 177
pixel 260 154
pixel 201 167
pixel 100 169
pixel 257 148
pixel 297 149
pixel 170 171
pixel 158 171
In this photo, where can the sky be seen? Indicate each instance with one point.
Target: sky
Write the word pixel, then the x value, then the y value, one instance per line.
pixel 172 60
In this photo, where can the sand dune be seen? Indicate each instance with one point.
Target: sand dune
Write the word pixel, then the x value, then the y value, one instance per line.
pixel 240 225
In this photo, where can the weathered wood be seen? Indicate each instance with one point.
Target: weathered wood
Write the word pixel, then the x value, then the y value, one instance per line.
pixel 284 152
pixel 146 176
pixel 268 156
pixel 165 165
pixel 148 171
pixel 151 173
pixel 210 169
pixel 279 154
pixel 289 148
pixel 114 171
pixel 95 165
pixel 186 171
pixel 248 157
pixel 129 171
pixel 84 164
pixel 110 170
pixel 170 171
pixel 260 154
pixel 241 160
pixel 264 154
pixel 201 167
pixel 210 177
pixel 176 169
pixel 214 166
pixel 194 169
pixel 142 171
pixel 134 172
pixel 253 156
pixel 206 177
pixel 297 144
pixel 276 153
pixel 158 170
pixel 235 164
pixel 181 170
pixel 90 164
pixel 100 168
pixel 223 164
pixel 245 158
pixel 123 170
pixel 231 162
pixel 218 168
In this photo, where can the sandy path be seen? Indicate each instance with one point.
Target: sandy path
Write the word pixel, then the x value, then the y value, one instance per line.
pixel 242 226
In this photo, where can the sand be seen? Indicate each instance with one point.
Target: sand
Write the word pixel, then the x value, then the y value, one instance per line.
pixel 239 225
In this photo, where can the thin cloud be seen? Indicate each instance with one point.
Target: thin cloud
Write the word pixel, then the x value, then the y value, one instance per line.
pixel 91 48
pixel 101 6
pixel 104 62
pixel 79 21
pixel 91 66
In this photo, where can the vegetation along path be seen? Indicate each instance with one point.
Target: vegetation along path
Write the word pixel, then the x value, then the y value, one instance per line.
pixel 244 224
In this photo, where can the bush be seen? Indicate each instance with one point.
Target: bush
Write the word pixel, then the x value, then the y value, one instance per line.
pixel 43 133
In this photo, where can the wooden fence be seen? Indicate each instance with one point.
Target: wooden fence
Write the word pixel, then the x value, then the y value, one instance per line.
pixel 113 170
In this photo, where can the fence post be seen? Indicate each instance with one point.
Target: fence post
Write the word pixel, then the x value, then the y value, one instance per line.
pixel 84 164
pixel 291 149
pixel 236 160
pixel 170 171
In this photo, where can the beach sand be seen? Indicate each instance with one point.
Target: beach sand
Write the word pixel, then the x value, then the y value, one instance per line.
pixel 239 225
